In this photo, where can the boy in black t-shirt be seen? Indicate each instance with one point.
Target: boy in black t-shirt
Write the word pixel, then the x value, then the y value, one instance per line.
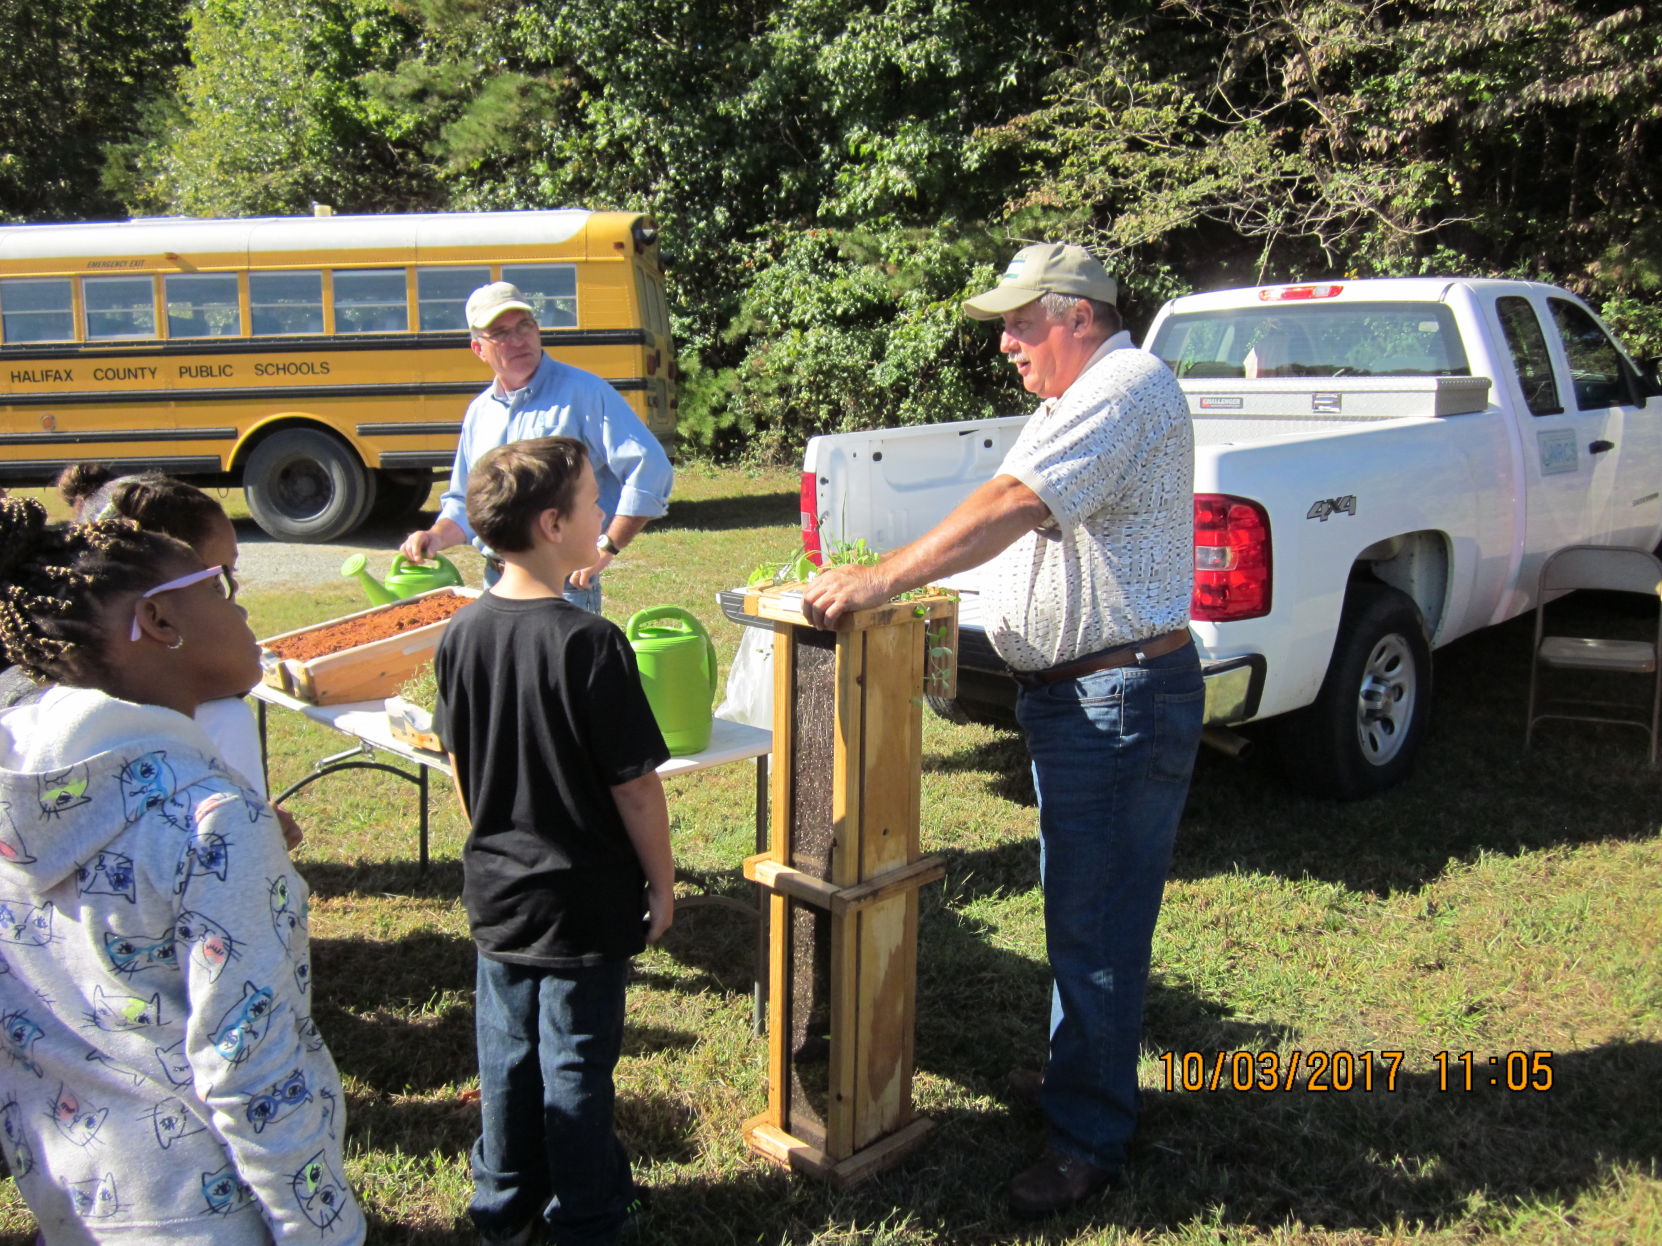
pixel 555 752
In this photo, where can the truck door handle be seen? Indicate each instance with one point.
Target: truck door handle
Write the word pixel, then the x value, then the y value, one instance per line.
pixel 1600 446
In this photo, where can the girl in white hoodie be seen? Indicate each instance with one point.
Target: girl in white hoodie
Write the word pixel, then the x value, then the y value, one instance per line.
pixel 160 1075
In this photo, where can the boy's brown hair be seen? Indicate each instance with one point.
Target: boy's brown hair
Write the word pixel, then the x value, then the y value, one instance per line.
pixel 511 485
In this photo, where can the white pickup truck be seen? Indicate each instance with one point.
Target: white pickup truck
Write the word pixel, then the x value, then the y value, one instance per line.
pixel 1380 467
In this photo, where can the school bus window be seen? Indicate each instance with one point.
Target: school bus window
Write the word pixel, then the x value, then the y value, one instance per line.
pixel 118 307
pixel 441 296
pixel 550 288
pixel 36 309
pixel 370 301
pixel 202 305
pixel 285 303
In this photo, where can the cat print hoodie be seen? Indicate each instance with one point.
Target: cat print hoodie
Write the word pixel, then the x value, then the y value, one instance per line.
pixel 160 1075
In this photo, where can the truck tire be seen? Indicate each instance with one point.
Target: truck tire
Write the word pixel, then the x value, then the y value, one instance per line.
pixel 1362 731
pixel 304 485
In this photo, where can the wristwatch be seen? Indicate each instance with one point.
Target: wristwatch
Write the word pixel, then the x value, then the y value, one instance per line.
pixel 606 545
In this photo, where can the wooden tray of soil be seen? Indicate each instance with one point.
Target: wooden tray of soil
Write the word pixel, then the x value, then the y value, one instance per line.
pixel 364 656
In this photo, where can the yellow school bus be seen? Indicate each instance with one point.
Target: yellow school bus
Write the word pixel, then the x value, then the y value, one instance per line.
pixel 321 363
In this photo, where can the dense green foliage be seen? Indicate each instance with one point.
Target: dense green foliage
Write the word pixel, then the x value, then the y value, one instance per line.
pixel 833 175
pixel 76 76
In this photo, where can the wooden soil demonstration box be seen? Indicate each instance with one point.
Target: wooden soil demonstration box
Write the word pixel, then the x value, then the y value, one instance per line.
pixel 365 656
pixel 842 872
pixel 413 724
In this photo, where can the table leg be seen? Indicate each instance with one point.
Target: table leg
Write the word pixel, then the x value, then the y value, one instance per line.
pixel 339 761
pixel 422 783
pixel 759 992
pixel 265 755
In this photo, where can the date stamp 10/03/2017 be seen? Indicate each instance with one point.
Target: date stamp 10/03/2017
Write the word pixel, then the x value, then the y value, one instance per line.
pixel 1339 1072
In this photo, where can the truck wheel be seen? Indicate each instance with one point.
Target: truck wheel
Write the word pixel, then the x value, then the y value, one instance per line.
pixel 304 485
pixel 981 713
pixel 1362 731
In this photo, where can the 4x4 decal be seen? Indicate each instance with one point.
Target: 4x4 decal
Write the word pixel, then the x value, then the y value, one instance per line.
pixel 1323 507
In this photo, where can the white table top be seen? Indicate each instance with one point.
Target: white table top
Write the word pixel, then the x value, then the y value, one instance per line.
pixel 367 721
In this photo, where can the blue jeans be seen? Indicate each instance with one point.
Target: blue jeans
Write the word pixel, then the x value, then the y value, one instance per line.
pixel 1112 757
pixel 584 598
pixel 548 1042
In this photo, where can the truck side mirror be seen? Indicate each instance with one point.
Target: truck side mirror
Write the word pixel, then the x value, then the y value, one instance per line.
pixel 1650 377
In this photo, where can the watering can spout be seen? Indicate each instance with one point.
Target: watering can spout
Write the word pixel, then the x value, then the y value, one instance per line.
pixel 405 579
pixel 379 594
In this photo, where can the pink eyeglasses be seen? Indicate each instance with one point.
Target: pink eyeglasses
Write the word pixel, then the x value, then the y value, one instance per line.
pixel 227 587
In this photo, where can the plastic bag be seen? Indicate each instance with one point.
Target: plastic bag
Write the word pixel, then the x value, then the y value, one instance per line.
pixel 750 681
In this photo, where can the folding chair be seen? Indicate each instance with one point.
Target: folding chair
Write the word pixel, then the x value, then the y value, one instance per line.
pixel 1612 569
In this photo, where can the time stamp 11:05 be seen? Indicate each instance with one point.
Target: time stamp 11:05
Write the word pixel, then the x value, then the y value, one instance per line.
pixel 1337 1072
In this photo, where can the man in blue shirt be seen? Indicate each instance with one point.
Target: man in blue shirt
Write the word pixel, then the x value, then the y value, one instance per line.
pixel 533 396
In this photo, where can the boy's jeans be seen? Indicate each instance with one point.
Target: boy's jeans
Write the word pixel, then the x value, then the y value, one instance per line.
pixel 548 1042
pixel 1112 756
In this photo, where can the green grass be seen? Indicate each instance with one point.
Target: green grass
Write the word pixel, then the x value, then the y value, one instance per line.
pixel 1497 902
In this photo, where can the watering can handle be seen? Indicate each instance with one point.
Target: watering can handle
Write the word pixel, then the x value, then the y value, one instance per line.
pixel 641 618
pixel 651 614
pixel 400 564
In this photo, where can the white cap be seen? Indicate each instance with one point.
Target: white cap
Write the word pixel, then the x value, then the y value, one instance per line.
pixel 486 303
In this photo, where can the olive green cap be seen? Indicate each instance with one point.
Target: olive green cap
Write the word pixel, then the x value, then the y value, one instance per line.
pixel 1044 268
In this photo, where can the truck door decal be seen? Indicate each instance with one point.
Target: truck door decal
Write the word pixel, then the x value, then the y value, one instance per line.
pixel 1557 448
pixel 1323 507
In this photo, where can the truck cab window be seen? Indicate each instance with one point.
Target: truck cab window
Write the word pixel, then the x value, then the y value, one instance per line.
pixel 1313 340
pixel 1596 369
pixel 1529 354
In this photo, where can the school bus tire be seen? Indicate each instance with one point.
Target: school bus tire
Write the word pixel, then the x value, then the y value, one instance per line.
pixel 304 485
pixel 399 495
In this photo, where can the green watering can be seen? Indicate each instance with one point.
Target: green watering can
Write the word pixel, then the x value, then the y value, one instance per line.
pixel 405 579
pixel 678 671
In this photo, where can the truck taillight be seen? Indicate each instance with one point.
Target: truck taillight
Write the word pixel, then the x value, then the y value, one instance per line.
pixel 810 519
pixel 1232 559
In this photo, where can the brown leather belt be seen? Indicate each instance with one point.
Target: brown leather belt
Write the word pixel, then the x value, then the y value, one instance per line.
pixel 1107 660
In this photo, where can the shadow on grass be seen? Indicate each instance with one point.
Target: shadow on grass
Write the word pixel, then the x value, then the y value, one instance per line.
pixel 1357 1162
pixel 442 879
pixel 761 510
pixel 397 1013
pixel 1415 1152
pixel 1474 788
pixel 717 941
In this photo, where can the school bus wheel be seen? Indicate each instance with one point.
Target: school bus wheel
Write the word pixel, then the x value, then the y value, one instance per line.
pixel 303 484
pixel 399 495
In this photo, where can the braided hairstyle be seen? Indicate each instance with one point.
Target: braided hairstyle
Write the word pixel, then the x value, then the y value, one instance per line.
pixel 153 501
pixel 58 581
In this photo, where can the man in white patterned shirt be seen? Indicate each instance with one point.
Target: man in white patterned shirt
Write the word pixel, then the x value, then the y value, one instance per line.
pixel 1089 522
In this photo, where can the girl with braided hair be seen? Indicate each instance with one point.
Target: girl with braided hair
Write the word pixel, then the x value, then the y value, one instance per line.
pixel 160 1075
pixel 161 503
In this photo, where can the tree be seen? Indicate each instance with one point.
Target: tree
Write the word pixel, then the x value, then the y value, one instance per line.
pixel 1360 135
pixel 272 114
pixel 74 78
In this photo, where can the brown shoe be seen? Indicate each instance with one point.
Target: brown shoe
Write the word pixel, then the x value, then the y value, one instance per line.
pixel 1056 1183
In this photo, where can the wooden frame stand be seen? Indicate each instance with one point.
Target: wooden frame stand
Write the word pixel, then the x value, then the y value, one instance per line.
pixel 842 872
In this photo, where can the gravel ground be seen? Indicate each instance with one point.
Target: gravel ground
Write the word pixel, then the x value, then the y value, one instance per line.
pixel 263 562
